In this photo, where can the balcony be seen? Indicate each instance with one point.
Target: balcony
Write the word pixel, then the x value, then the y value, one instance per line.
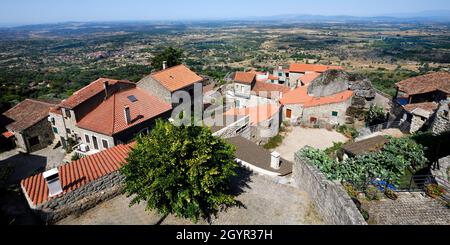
pixel 83 150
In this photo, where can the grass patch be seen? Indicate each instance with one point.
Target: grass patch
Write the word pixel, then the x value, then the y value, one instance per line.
pixel 274 142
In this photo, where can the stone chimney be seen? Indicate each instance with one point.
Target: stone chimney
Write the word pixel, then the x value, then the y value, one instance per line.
pixel 53 182
pixel 106 87
pixel 275 161
pixel 164 65
pixel 127 114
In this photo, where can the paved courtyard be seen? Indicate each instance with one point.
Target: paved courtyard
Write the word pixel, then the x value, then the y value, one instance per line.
pixel 300 137
pixel 26 165
pixel 265 203
pixel 409 209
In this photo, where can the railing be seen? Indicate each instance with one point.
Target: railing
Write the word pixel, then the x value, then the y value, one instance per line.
pixel 401 125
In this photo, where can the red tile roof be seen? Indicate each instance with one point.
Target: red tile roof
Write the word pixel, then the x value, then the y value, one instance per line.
pixel 26 114
pixel 309 77
pixel 245 77
pixel 89 91
pixel 111 112
pixel 78 173
pixel 176 78
pixel 257 114
pixel 427 106
pixel 426 83
pixel 8 134
pixel 300 96
pixel 302 68
pixel 269 90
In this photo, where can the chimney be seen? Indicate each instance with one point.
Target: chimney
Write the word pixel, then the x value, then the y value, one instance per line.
pixel 54 184
pixel 164 65
pixel 275 162
pixel 127 114
pixel 106 87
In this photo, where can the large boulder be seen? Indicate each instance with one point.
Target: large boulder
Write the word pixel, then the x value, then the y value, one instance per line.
pixel 336 81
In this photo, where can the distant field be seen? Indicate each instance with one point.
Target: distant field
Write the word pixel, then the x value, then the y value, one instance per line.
pixel 55 60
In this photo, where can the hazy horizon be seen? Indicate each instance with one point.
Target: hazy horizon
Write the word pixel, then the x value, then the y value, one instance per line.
pixel 24 12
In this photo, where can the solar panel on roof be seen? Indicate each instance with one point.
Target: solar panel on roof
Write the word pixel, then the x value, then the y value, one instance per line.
pixel 132 98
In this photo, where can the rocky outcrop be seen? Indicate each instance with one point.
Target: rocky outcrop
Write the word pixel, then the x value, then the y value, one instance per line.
pixel 336 81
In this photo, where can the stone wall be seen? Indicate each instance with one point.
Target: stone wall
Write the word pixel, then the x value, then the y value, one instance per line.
pixel 82 199
pixel 441 121
pixel 155 88
pixel 330 198
pixel 42 130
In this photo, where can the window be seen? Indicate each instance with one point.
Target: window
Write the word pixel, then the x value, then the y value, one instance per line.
pixel 105 144
pixel 88 139
pixel 55 130
pixel 238 103
pixel 53 121
pixel 132 98
pixel 288 113
pixel 67 112
pixel 334 113
pixel 94 140
pixel 68 131
pixel 280 74
pixel 34 141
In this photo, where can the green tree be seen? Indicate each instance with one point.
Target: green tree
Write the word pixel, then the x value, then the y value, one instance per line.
pixel 183 171
pixel 171 55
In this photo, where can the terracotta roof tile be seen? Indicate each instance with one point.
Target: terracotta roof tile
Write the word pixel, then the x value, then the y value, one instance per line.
pixel 245 77
pixel 177 77
pixel 427 106
pixel 269 90
pixel 426 83
pixel 300 96
pixel 111 112
pixel 89 91
pixel 26 114
pixel 302 68
pixel 257 114
pixel 309 77
pixel 78 173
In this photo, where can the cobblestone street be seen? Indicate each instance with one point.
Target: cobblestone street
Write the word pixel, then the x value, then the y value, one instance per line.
pixel 266 203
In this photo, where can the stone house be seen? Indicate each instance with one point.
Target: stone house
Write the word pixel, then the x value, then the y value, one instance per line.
pixel 251 91
pixel 167 82
pixel 264 119
pixel 28 126
pixel 418 99
pixel 300 107
pixel 419 115
pixel 433 87
pixel 104 114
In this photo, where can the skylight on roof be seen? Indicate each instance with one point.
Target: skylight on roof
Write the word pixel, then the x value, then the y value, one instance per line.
pixel 132 98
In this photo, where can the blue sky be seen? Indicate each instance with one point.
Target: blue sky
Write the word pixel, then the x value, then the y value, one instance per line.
pixel 45 11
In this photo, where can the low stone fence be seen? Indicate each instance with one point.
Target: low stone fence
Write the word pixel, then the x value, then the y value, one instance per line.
pixel 82 199
pixel 331 200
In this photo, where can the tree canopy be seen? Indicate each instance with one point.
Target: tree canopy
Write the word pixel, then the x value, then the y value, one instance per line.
pixel 184 171
pixel 171 55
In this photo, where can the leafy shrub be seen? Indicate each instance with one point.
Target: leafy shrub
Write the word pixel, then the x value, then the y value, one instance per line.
pixel 372 193
pixel 274 142
pixel 434 190
pixel 348 131
pixel 365 214
pixel 75 157
pixel 352 192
